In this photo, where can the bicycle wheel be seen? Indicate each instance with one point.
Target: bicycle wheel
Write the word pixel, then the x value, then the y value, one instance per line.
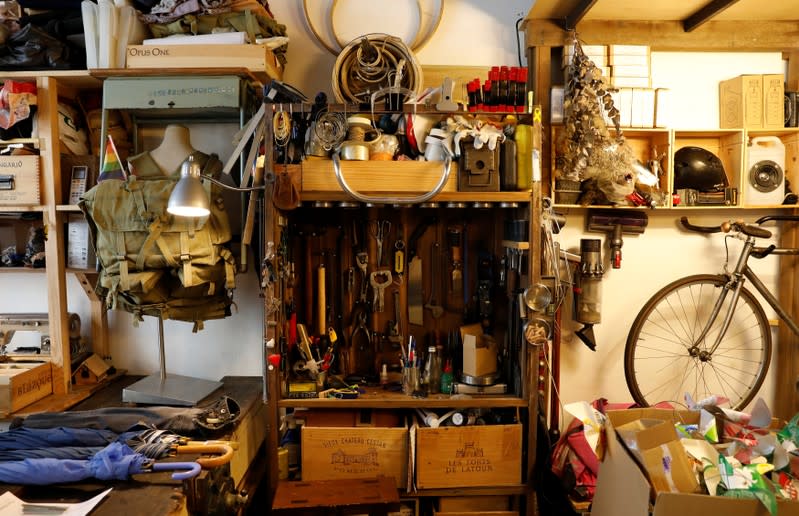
pixel 663 361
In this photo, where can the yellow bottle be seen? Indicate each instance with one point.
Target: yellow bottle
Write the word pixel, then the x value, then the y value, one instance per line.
pixel 524 156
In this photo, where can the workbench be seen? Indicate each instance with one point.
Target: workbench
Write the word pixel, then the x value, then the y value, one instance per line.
pixel 154 494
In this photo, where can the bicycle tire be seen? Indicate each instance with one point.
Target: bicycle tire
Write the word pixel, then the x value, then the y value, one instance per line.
pixel 658 365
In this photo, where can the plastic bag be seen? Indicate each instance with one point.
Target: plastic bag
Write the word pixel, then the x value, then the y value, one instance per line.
pixel 16 99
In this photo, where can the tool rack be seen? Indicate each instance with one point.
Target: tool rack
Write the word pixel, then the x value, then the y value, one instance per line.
pixel 322 232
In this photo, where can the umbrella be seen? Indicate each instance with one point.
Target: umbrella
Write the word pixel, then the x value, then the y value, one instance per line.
pixel 24 438
pixel 22 443
pixel 59 443
pixel 117 461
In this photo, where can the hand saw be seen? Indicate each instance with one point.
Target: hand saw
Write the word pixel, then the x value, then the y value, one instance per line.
pixel 415 296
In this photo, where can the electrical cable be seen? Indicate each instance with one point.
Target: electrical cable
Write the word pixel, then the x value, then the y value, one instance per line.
pixel 330 128
pixel 281 122
pixel 518 44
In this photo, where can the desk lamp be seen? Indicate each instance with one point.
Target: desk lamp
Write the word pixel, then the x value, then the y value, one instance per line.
pixel 188 199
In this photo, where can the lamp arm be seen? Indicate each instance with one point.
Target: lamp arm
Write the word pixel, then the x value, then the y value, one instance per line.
pixel 235 188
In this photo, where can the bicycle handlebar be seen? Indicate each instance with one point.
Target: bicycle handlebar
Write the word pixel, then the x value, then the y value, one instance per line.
pixel 726 227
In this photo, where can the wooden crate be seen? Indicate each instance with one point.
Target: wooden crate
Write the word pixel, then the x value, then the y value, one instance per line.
pixel 447 504
pixel 256 58
pixel 25 189
pixel 377 176
pixel 331 453
pixel 468 456
pixel 22 383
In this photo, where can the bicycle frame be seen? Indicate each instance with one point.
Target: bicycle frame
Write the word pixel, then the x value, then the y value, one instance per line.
pixel 741 272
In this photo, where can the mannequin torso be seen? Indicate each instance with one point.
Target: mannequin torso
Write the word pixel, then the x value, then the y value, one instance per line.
pixel 173 150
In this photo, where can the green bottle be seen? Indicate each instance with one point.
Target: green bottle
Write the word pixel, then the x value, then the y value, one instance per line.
pixel 447 378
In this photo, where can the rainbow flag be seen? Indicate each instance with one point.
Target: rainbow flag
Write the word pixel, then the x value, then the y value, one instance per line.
pixel 112 166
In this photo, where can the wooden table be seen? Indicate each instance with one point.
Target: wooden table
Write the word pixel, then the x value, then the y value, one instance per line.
pixel 153 494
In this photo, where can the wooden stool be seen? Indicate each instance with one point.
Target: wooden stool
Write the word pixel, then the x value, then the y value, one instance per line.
pixel 375 496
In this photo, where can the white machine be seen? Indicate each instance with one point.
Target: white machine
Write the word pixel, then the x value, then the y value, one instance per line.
pixel 764 181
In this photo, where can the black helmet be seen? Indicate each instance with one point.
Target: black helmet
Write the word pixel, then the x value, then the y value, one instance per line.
pixel 700 169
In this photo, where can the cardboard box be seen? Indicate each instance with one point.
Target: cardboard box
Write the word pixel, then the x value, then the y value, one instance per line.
pixel 256 58
pixel 468 456
pixel 628 50
pixel 773 101
pixel 643 108
pixel 623 488
pixel 80 251
pixel 662 107
pixel 741 102
pixel 21 186
pixel 630 70
pixel 656 444
pixel 631 82
pixel 479 351
pixel 22 383
pixel 332 453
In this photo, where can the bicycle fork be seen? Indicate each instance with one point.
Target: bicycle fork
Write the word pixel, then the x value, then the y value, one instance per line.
pixel 733 286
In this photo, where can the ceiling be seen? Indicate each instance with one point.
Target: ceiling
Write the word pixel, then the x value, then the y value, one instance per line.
pixel 666 10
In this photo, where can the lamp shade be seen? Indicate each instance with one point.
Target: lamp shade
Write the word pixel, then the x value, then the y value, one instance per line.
pixel 189 198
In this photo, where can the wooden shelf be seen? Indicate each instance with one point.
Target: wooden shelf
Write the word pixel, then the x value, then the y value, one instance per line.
pixel 25 270
pixel 13 209
pixel 72 208
pixel 104 73
pixel 377 398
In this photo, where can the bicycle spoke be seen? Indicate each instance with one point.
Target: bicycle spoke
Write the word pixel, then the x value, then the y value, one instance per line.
pixel 663 357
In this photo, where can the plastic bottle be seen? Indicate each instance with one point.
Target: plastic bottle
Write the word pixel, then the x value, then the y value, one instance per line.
pixel 524 156
pixel 447 378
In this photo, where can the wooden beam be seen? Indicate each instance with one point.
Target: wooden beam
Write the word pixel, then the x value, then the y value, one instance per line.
pixel 718 36
pixel 580 10
pixel 792 76
pixel 706 13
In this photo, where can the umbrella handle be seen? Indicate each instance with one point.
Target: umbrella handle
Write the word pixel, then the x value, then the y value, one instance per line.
pixel 225 453
pixel 192 469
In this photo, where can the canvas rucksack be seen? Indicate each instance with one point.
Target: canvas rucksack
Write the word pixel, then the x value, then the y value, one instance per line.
pixel 154 263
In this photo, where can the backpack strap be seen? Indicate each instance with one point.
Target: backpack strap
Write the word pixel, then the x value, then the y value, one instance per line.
pixel 230 267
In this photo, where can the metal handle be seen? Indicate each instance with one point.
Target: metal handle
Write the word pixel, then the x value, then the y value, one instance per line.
pixel 391 200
